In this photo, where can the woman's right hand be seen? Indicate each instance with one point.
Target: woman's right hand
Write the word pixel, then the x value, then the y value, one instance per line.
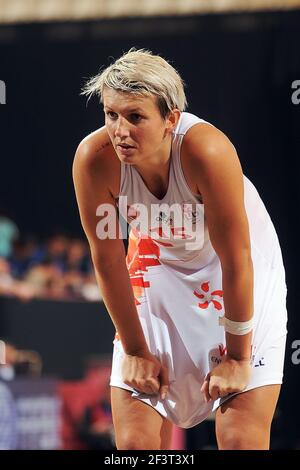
pixel 144 372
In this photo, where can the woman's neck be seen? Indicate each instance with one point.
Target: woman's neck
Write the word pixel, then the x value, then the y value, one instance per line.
pixel 157 165
pixel 155 171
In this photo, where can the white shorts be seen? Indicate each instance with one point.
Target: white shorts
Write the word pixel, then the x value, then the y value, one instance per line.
pixel 184 404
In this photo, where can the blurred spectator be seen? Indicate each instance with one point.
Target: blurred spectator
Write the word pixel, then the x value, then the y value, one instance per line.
pixel 8 424
pixel 19 362
pixel 86 409
pixel 8 233
pixel 7 369
pixel 58 269
pixel 11 287
pixel 78 258
pixel 90 290
pixel 6 279
pixel 46 280
pixel 26 252
pixel 95 429
pixel 56 250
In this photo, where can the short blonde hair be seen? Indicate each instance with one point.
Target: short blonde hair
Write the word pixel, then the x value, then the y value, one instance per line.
pixel 140 72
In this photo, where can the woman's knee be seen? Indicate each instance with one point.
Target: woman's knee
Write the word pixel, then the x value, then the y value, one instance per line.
pixel 237 439
pixel 244 421
pixel 135 440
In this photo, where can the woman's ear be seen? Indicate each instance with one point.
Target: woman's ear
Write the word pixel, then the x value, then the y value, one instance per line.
pixel 172 119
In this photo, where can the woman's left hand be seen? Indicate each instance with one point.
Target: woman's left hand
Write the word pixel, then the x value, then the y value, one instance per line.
pixel 228 377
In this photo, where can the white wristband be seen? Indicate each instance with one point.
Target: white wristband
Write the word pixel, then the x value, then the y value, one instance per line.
pixel 238 327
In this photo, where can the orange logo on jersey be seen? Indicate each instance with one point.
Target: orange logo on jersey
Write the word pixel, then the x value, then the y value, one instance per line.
pixel 207 297
pixel 143 252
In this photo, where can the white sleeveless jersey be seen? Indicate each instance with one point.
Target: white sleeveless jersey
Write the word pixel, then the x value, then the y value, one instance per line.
pixel 177 283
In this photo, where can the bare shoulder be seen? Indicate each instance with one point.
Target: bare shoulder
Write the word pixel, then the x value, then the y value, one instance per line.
pixel 96 158
pixel 207 153
pixel 204 141
pixel 95 183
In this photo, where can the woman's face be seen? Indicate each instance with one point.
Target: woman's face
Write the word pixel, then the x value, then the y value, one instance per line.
pixel 135 125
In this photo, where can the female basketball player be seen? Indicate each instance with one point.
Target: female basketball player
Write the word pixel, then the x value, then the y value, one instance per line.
pixel 199 304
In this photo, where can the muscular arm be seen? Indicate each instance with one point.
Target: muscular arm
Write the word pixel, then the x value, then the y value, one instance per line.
pixel 92 173
pixel 220 181
pixel 92 177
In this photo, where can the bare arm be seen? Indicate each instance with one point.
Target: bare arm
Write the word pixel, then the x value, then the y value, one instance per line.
pixel 91 179
pixel 92 176
pixel 220 181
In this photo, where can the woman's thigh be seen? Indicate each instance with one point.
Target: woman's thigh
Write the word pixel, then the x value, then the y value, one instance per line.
pixel 137 425
pixel 244 421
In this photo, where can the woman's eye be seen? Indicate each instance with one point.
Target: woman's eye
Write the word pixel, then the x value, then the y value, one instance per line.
pixel 135 117
pixel 111 114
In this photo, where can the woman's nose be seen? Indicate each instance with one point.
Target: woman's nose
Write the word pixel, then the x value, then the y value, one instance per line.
pixel 122 129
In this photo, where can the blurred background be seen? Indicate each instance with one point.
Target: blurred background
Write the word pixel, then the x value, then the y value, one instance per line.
pixel 241 63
